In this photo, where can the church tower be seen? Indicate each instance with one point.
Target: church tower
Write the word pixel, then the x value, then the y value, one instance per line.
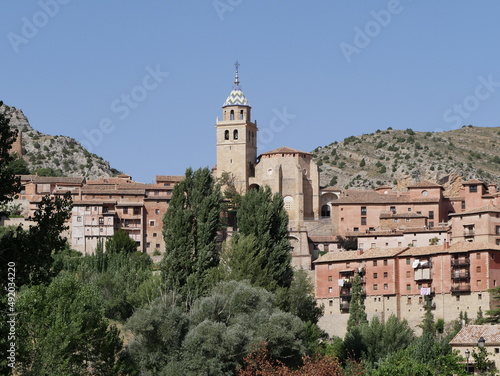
pixel 236 138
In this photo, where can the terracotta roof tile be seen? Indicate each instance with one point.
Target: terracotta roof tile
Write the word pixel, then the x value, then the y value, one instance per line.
pixel 473 181
pixel 353 196
pixel 469 335
pixel 360 255
pixel 482 209
pixel 169 178
pixel 285 150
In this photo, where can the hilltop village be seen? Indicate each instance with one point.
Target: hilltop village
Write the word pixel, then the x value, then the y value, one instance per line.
pixel 409 244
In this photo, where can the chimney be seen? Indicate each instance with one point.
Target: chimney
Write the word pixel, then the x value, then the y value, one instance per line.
pixel 492 188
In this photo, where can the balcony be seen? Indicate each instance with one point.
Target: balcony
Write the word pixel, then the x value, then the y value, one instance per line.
pixel 460 289
pixel 344 306
pixel 458 275
pixel 345 292
pixel 460 262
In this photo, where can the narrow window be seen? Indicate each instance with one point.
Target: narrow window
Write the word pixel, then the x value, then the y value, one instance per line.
pixel 235 134
pixel 241 114
pixel 231 115
pixel 226 135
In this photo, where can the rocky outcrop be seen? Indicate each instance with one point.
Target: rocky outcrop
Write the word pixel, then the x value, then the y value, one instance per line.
pixel 403 157
pixel 64 155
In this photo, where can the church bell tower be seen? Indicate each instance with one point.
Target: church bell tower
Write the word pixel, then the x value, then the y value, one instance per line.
pixel 236 138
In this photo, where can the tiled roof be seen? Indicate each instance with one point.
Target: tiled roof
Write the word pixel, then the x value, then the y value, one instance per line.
pixel 470 334
pixel 92 202
pixel 125 203
pixel 360 255
pixel 322 238
pixel 169 178
pixel 460 247
pixel 52 179
pixel 353 196
pixel 236 98
pixel 386 215
pixel 426 250
pixel 425 184
pixel 112 191
pixel 482 209
pixel 473 181
pixel 285 150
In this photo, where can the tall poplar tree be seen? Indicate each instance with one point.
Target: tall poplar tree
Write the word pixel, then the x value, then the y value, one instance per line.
pixel 263 238
pixel 357 314
pixel 190 229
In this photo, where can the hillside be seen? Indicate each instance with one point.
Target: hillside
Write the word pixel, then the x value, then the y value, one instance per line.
pixel 64 155
pixel 403 157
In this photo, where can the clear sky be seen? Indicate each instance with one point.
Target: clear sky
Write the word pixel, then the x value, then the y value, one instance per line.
pixel 141 83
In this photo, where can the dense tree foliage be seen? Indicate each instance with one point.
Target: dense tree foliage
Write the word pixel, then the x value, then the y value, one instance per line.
pixel 216 334
pixel 62 331
pixel 120 242
pixel 261 249
pixel 190 231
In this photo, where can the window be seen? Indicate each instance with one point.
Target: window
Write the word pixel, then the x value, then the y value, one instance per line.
pixel 375 287
pixel 157 211
pixel 101 230
pixel 425 193
pixel 330 266
pixel 363 221
pixel 408 287
pixel 497 350
pixel 408 301
pixel 356 229
pixel 348 265
pixel 396 220
pixel 235 134
pixel 478 256
pixel 157 245
pixel 101 220
pixel 374 262
pixel 408 261
pixel 156 193
pixel 479 296
pixel 363 210
pixel 431 214
pixel 400 244
pixel 431 224
pixel 393 209
pixel 420 299
pixel 373 245
pixel 408 274
pixel 458 298
pixel 330 289
pixel 409 209
pixel 125 210
pixel 375 275
pixel 78 219
pixel 155 234
pixel 226 135
pixel 330 278
pixel 151 223
pixel 231 115
pixel 136 210
pixel 473 188
pixel 497 230
pixel 148 245
pixel 241 114
pixel 386 286
pixel 478 282
pixel 386 275
pixel 463 205
pixel 330 303
pixel 385 262
pixel 407 220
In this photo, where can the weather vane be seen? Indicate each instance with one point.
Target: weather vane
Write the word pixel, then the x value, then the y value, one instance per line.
pixel 236 80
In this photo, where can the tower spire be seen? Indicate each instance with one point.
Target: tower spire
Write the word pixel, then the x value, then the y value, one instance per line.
pixel 236 78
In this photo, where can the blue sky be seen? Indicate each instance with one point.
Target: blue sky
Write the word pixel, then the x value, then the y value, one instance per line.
pixel 141 83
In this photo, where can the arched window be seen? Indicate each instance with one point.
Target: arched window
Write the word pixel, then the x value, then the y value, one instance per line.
pixel 226 135
pixel 241 114
pixel 235 134
pixel 325 211
pixel 231 115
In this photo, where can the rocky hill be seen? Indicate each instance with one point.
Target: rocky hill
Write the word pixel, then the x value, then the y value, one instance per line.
pixel 61 155
pixel 402 157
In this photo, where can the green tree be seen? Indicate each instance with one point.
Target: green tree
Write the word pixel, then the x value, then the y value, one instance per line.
pixel 357 313
pixel 62 331
pixel 120 242
pixel 190 229
pixel 493 314
pixel 262 219
pixel 18 166
pixel 362 163
pixel 10 185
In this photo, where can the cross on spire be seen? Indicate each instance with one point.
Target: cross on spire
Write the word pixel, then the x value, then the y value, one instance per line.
pixel 236 79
